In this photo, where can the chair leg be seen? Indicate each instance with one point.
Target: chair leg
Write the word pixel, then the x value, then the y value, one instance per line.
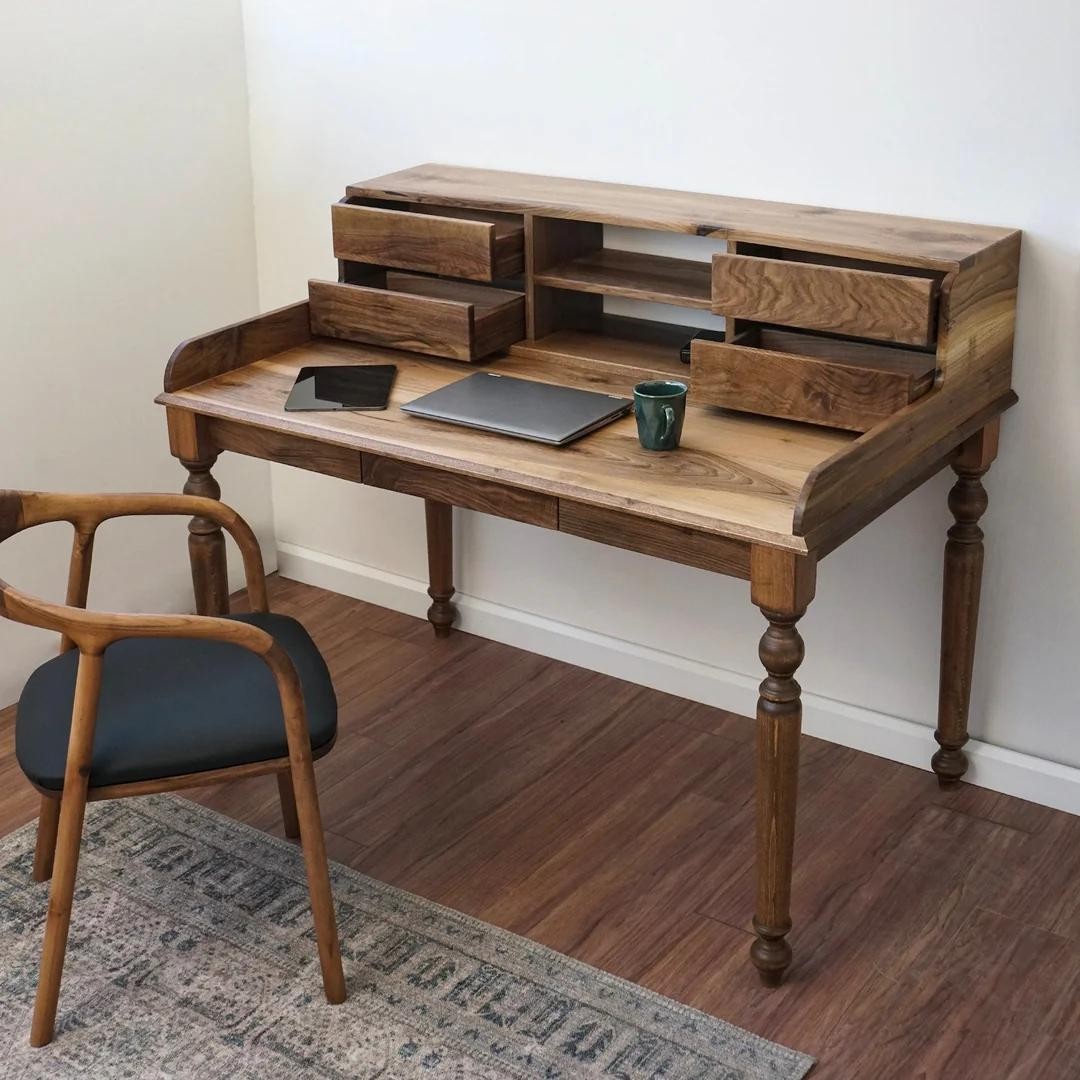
pixel 45 849
pixel 318 875
pixel 66 859
pixel 288 805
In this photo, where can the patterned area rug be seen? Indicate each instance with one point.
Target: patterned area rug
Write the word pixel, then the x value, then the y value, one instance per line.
pixel 191 955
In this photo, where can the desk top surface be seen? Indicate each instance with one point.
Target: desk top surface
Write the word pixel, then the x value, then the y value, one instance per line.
pixel 735 475
pixel 939 245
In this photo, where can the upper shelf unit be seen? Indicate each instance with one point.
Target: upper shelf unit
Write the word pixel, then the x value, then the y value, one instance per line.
pixel 833 317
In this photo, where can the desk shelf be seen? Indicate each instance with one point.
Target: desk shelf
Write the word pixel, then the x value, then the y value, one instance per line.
pixel 634 275
pixel 622 348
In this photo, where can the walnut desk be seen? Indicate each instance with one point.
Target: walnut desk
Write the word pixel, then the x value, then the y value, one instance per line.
pixel 863 353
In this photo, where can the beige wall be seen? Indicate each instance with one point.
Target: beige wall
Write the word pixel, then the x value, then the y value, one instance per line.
pixel 961 111
pixel 125 226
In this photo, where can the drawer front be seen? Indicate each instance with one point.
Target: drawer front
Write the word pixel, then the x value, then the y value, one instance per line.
pixel 472 493
pixel 838 299
pixel 673 543
pixel 453 319
pixel 455 247
pixel 839 384
pixel 422 324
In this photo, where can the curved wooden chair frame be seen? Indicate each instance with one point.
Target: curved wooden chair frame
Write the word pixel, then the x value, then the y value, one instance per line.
pixel 61 822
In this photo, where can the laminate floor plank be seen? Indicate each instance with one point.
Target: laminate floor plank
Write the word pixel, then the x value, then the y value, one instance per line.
pixel 936 934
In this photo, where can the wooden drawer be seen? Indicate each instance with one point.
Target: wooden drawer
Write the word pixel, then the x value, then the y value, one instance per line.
pixel 454 319
pixel 839 299
pixel 456 242
pixel 472 493
pixel 842 384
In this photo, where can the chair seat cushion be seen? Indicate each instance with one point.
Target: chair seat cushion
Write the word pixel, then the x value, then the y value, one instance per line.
pixel 171 706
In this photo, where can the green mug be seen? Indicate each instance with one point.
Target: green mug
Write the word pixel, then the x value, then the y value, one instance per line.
pixel 660 408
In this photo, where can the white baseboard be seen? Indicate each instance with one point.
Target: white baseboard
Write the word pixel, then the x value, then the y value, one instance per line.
pixel 1023 775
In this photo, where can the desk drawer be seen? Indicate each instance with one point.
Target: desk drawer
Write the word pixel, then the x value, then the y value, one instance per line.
pixel 453 319
pixel 472 493
pixel 451 241
pixel 839 299
pixel 821 380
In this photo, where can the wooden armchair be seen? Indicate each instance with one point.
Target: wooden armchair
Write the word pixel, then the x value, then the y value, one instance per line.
pixel 238 696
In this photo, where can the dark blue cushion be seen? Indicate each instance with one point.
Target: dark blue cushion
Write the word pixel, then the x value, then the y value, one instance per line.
pixel 171 706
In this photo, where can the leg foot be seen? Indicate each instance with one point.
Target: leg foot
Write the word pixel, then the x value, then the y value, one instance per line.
pixel 440 539
pixel 771 954
pixel 960 603
pixel 45 849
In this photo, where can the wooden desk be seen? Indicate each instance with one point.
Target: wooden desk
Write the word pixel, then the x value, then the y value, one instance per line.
pixel 902 346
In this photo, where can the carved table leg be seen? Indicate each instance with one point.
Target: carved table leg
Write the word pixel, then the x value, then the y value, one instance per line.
pixel 206 543
pixel 960 602
pixel 782 585
pixel 440 540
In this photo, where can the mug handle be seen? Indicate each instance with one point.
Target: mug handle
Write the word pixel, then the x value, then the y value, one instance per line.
pixel 669 423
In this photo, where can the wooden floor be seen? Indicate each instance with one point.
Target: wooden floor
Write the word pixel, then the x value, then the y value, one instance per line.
pixel 935 934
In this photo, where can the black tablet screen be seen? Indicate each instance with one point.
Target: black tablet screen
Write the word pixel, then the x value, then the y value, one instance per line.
pixel 365 386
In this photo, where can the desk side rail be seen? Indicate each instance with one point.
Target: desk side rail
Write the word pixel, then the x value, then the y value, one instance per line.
pixel 208 355
pixel 973 386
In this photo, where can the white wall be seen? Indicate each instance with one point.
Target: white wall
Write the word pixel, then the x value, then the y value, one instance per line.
pixel 126 226
pixel 964 110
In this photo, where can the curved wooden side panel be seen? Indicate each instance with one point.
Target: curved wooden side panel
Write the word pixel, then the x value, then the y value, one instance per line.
pixel 975 345
pixel 231 347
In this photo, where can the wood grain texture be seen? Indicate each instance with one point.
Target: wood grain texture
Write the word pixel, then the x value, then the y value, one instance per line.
pixel 469 493
pixel 635 275
pixel 454 245
pixel 734 475
pixel 508 247
pixel 496 798
pixel 840 300
pixel 285 449
pixel 232 347
pixel 670 542
pixel 882 237
pixel 842 384
pixel 414 315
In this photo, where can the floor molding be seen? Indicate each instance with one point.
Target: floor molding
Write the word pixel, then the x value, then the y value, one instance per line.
pixel 1022 775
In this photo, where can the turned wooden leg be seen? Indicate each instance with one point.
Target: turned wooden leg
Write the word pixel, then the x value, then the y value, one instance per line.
pixel 69 836
pixel 782 585
pixel 206 543
pixel 960 602
pixel 440 540
pixel 45 848
pixel 288 805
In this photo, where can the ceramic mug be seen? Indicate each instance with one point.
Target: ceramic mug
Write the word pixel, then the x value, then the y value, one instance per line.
pixel 660 408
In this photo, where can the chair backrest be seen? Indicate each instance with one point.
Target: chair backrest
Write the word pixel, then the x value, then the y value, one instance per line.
pixel 21 510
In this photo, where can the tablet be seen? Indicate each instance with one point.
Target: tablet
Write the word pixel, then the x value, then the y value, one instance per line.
pixel 359 386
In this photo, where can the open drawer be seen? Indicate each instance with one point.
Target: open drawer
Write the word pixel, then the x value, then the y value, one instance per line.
pixel 454 319
pixel 821 380
pixel 453 241
pixel 898 306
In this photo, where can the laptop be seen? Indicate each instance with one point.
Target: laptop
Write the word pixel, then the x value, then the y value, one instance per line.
pixel 545 413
